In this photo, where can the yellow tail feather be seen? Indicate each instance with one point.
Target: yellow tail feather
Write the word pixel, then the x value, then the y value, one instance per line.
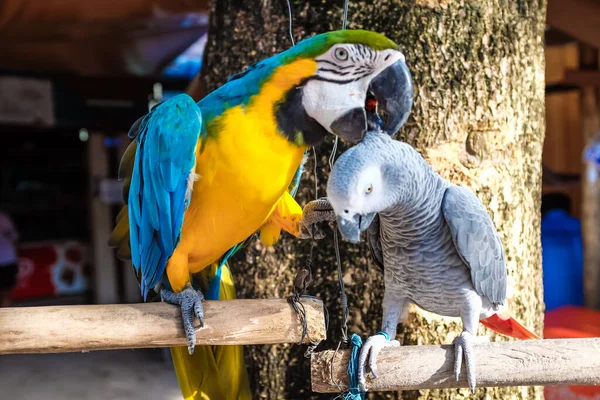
pixel 121 230
pixel 213 372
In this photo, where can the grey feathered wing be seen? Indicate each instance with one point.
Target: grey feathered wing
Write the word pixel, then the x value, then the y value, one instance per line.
pixel 374 242
pixel 477 242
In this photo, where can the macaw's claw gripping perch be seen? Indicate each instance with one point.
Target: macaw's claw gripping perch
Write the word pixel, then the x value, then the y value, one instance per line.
pixel 190 301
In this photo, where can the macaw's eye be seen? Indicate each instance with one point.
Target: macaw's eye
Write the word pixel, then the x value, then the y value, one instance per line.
pixel 369 189
pixel 341 54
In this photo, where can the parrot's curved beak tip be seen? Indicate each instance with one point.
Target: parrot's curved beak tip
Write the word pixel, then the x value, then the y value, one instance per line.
pixel 393 91
pixel 387 107
pixel 352 227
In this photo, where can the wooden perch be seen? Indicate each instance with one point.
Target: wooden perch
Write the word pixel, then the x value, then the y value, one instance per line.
pixel 63 329
pixel 514 363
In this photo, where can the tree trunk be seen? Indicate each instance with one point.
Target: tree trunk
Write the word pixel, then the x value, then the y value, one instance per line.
pixel 478 117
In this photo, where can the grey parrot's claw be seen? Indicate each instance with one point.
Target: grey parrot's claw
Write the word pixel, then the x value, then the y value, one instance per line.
pixel 463 349
pixel 458 356
pixel 370 351
pixel 190 301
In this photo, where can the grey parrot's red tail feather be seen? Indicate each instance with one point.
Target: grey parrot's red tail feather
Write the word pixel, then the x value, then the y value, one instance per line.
pixel 507 325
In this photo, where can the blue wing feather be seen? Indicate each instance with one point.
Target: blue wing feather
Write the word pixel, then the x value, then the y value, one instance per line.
pixel 295 184
pixel 179 205
pixel 165 157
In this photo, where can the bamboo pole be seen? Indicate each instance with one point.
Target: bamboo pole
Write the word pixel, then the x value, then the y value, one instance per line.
pixel 514 363
pixel 63 329
pixel 590 219
pixel 105 272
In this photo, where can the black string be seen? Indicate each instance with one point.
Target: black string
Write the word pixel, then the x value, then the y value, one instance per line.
pixel 301 283
pixel 299 308
pixel 343 296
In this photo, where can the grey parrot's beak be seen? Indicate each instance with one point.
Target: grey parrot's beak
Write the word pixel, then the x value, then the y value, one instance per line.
pixel 393 91
pixel 352 227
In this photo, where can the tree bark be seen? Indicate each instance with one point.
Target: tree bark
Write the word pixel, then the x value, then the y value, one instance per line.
pixel 478 118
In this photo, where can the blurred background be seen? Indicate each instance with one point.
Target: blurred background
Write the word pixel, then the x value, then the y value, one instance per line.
pixel 74 76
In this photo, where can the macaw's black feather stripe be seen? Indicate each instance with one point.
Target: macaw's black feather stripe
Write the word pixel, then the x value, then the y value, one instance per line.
pixel 333 71
pixel 362 50
pixel 335 64
pixel 339 82
pixel 293 120
pixel 363 69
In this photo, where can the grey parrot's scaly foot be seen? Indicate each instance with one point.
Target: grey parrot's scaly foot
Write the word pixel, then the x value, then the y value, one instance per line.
pixel 463 346
pixel 370 351
pixel 190 301
pixel 313 213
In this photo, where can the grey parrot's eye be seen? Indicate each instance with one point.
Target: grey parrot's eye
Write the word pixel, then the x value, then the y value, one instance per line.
pixel 341 54
pixel 369 189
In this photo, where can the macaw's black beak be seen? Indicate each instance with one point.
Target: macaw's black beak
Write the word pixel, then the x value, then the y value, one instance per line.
pixel 392 90
pixel 352 227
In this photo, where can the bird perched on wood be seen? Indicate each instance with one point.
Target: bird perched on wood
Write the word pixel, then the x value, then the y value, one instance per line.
pixel 435 242
pixel 201 178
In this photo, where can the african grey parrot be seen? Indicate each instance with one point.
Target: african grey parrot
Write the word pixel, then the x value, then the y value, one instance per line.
pixel 434 240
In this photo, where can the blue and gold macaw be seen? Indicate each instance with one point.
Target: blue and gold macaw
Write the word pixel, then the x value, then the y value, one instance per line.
pixel 201 178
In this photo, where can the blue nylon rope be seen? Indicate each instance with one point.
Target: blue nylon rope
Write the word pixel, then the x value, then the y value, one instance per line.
pixel 354 392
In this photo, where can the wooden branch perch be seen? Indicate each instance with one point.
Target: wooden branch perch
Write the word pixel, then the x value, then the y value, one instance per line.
pixel 64 329
pixel 514 363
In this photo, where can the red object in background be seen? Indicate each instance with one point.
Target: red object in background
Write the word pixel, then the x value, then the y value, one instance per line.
pixel 572 322
pixel 48 269
pixel 35 277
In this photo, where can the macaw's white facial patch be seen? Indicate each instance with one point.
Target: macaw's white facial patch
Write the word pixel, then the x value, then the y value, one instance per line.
pixel 327 101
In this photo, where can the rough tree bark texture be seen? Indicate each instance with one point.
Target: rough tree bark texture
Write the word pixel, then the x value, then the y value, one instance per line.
pixel 478 117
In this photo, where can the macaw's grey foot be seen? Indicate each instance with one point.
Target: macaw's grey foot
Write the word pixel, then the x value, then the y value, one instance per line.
pixel 370 351
pixel 463 346
pixel 190 301
pixel 314 213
